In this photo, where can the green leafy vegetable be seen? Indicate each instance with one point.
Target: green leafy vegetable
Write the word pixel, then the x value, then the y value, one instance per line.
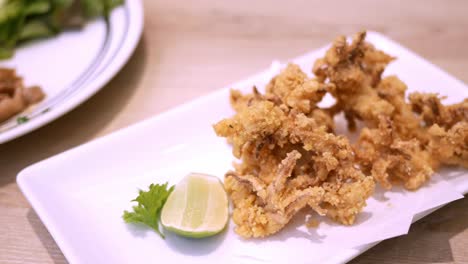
pixel 150 204
pixel 22 119
pixel 22 20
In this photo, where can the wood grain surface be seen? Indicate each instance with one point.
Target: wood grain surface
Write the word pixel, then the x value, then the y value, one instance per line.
pixel 190 48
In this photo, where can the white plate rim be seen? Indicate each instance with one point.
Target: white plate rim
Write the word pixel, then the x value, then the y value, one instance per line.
pixel 94 82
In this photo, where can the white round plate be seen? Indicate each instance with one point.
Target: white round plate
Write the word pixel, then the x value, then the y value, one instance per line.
pixel 73 66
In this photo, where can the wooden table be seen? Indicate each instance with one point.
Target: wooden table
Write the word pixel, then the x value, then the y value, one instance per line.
pixel 191 48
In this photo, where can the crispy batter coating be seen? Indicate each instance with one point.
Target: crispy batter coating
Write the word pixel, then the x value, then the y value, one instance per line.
pixel 447 127
pixel 296 90
pixel 291 159
pixel 450 146
pixel 391 159
pixel 397 145
pixel 353 70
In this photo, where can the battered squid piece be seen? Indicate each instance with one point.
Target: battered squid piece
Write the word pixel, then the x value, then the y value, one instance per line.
pixel 405 123
pixel 447 127
pixel 353 70
pixel 391 159
pixel 432 111
pixel 296 90
pixel 293 90
pixel 252 123
pixel 450 146
pixel 394 146
pixel 256 219
pixel 289 161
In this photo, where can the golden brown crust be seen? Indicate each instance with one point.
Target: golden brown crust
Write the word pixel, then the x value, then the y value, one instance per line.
pixel 396 146
pixel 290 158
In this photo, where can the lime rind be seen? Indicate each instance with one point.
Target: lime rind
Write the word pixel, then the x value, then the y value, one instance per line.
pixel 194 234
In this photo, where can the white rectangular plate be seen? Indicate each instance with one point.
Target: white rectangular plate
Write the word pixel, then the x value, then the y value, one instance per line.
pixel 80 194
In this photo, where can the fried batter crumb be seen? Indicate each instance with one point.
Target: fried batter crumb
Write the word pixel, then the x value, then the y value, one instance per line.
pixel 312 223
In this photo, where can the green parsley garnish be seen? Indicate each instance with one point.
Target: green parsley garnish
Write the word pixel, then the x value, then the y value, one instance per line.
pixel 22 119
pixel 150 204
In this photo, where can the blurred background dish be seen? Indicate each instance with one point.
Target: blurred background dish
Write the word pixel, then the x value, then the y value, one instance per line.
pixel 73 65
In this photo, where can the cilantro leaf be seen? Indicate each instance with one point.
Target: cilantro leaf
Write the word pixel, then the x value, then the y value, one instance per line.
pixel 150 204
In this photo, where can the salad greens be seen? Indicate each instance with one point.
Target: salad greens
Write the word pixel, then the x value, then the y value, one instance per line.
pixel 22 20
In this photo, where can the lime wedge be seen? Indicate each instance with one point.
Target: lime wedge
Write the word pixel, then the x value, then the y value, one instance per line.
pixel 198 207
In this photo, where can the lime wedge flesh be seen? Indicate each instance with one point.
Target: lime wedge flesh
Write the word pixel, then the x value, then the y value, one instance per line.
pixel 198 207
